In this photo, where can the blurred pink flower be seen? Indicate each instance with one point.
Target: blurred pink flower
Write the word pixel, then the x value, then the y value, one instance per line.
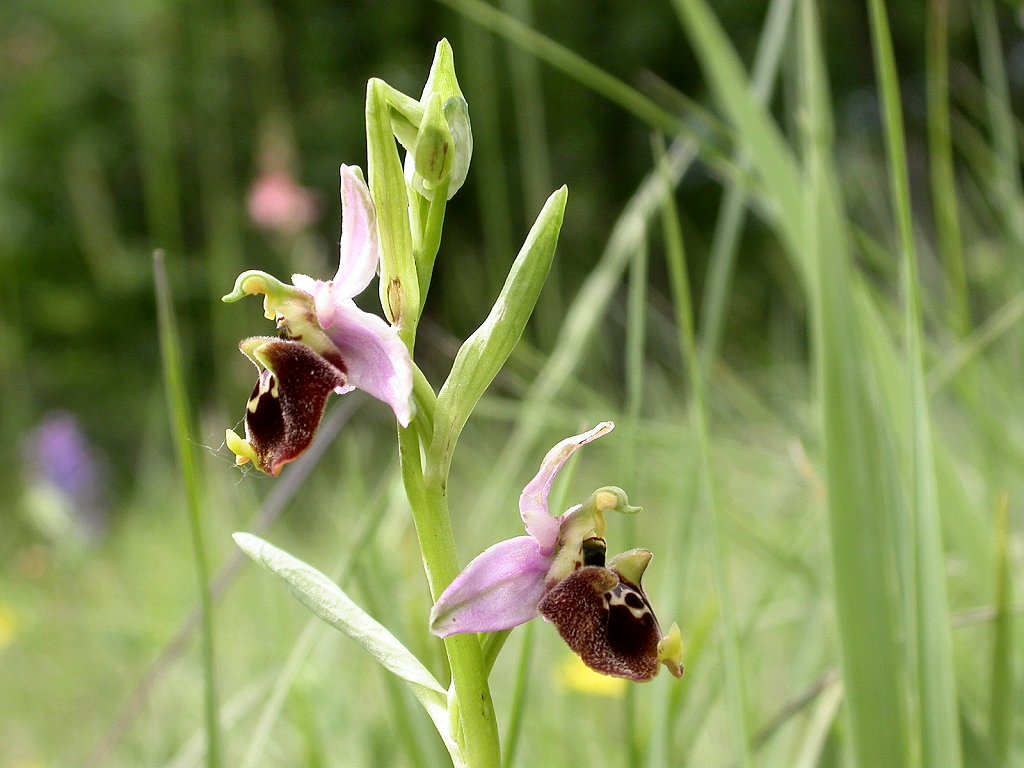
pixel 278 204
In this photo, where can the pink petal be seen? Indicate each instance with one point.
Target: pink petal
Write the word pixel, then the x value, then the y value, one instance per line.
pixel 500 589
pixel 374 358
pixel 360 244
pixel 533 503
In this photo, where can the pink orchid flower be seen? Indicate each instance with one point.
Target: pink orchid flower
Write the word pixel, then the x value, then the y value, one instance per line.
pixel 558 571
pixel 325 344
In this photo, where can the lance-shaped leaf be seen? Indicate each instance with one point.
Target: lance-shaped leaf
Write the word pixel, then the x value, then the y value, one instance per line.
pixel 485 352
pixel 326 599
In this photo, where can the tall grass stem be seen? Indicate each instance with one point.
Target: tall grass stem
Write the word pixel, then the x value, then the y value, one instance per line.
pixel 181 432
pixel 676 256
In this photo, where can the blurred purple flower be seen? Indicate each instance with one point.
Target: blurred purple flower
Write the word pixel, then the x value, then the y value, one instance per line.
pixel 61 462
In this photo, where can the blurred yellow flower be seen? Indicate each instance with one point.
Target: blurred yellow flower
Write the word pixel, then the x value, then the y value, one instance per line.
pixel 577 677
pixel 8 625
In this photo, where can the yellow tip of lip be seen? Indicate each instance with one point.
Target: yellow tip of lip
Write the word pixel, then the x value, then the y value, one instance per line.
pixel 670 650
pixel 244 452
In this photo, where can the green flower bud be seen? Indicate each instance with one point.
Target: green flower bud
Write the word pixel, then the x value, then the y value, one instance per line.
pixel 444 142
pixel 434 153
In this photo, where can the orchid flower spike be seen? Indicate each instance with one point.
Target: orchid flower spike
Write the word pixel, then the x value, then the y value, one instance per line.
pixel 325 344
pixel 558 570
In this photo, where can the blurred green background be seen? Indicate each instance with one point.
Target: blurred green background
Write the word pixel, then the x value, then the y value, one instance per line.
pixel 128 127
pixel 132 128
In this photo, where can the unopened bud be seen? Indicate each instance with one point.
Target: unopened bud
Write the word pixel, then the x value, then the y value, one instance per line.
pixel 445 125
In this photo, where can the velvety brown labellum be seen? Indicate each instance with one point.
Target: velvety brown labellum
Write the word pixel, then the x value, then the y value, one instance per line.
pixel 288 401
pixel 607 621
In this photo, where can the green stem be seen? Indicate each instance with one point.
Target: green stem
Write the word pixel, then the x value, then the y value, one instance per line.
pixel 411 236
pixel 181 421
pixel 430 243
pixel 473 724
pixel 426 400
pixel 491 643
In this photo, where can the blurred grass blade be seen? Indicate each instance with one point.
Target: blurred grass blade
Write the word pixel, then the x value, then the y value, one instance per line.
pixel 184 446
pixel 531 119
pixel 940 165
pixel 732 213
pixel 327 601
pixel 936 701
pixel 274 700
pixel 484 353
pixel 1006 181
pixel 532 41
pixel 636 331
pixel 676 257
pixel 407 736
pixel 601 82
pixel 822 721
pixel 859 391
pixel 1003 700
pixel 490 169
pixel 236 709
pixel 520 693
pixel 867 520
pixel 677 709
pixel 771 157
pixel 995 327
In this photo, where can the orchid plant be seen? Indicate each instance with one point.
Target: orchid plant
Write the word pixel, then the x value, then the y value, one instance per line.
pixel 325 344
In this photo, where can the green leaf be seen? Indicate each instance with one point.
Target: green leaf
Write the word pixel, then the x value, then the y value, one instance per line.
pixel 328 602
pixel 866 501
pixel 937 716
pixel 485 352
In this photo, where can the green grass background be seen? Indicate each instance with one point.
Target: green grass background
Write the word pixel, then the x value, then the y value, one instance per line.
pixel 804 314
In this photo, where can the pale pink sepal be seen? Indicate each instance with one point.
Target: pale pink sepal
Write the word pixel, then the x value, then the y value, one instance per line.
pixel 500 589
